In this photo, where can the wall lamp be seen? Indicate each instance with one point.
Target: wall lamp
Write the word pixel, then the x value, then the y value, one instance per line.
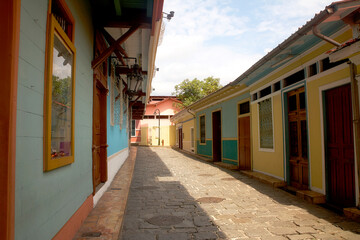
pixel 168 16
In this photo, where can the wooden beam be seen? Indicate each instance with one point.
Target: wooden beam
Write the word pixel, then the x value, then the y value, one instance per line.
pixel 131 104
pixel 104 55
pixel 111 40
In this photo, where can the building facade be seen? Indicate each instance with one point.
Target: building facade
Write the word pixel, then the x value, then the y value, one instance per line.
pixel 74 78
pixel 156 121
pixel 293 115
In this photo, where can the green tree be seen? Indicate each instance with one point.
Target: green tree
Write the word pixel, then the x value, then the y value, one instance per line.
pixel 191 91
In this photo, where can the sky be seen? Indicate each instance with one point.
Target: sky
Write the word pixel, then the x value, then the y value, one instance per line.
pixel 223 38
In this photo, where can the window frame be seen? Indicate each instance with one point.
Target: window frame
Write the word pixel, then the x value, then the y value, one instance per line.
pixel 264 149
pixel 200 116
pixel 55 28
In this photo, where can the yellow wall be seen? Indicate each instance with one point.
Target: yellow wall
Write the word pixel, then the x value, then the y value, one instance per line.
pixel 315 126
pixel 268 162
pixel 186 128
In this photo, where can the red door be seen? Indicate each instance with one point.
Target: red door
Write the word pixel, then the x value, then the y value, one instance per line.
pixel 244 143
pixel 340 147
pixel 216 127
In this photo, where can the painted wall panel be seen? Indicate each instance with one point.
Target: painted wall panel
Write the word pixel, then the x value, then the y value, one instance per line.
pixel 270 162
pixel 44 201
pixel 204 149
pixel 117 139
pixel 315 125
pixel 230 150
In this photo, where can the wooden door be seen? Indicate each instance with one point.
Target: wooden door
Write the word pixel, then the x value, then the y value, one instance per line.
pixel 216 132
pixel 180 138
pixel 340 147
pixel 244 143
pixel 96 137
pixel 298 146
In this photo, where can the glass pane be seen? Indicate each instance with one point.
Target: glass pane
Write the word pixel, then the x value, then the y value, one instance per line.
pixel 293 137
pixel 292 103
pixel 304 149
pixel 61 107
pixel 266 128
pixel 244 108
pixel 302 100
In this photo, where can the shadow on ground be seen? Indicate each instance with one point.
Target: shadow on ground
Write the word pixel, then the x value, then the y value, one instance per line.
pixel 159 207
pixel 336 219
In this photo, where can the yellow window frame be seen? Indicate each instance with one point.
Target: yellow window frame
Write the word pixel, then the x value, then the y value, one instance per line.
pixel 49 163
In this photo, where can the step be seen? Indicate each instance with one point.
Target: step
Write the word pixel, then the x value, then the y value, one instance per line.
pixel 276 183
pixel 311 196
pixel 226 165
pixel 352 213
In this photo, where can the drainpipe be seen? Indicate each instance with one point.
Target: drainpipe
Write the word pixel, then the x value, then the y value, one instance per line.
pixel 354 101
pixel 316 32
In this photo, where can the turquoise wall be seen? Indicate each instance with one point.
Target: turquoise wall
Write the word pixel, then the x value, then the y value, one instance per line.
pixel 204 149
pixel 117 138
pixel 44 201
pixel 228 129
pixel 230 149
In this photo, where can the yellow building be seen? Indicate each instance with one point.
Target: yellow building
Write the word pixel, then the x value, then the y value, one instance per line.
pixel 185 130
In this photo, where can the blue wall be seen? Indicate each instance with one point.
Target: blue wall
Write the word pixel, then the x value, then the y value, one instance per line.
pixel 44 201
pixel 117 138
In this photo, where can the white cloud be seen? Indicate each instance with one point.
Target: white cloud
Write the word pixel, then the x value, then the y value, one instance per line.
pixel 224 38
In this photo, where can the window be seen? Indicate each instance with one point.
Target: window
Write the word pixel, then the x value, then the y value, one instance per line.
pixel 254 97
pixel 265 92
pixel 60 88
pixel 133 128
pixel 294 78
pixel 312 69
pixel 326 64
pixel 244 108
pixel 202 129
pixel 265 124
pixel 276 86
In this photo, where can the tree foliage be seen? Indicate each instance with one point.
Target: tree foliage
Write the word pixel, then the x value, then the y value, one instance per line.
pixel 191 91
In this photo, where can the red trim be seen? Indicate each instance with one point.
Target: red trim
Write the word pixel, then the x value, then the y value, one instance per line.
pixel 71 227
pixel 9 61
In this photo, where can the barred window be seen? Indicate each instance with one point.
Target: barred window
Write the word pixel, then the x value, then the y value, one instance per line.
pixel 116 101
pixel 265 124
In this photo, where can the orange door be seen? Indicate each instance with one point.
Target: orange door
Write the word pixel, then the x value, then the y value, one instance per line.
pixel 244 143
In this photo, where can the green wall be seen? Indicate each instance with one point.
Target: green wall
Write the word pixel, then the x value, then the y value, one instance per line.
pixel 45 201
pixel 206 149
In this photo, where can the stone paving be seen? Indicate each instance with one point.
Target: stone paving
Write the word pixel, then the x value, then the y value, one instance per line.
pixel 175 196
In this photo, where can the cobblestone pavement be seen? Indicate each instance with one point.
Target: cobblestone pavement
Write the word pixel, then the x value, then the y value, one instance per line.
pixel 174 196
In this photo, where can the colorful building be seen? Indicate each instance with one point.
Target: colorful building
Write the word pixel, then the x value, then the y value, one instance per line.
pixel 185 130
pixel 293 115
pixel 75 73
pixel 158 112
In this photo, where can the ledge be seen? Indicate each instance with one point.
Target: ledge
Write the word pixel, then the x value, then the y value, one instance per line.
pixel 276 183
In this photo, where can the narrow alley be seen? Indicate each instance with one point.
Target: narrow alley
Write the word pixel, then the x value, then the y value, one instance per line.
pixel 176 196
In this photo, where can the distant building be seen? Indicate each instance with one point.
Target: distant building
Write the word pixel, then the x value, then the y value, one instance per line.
pixel 146 131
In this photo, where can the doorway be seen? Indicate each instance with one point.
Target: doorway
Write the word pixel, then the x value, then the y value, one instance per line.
pixel 244 143
pixel 339 153
pixel 99 148
pixel 180 138
pixel 297 135
pixel 216 133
